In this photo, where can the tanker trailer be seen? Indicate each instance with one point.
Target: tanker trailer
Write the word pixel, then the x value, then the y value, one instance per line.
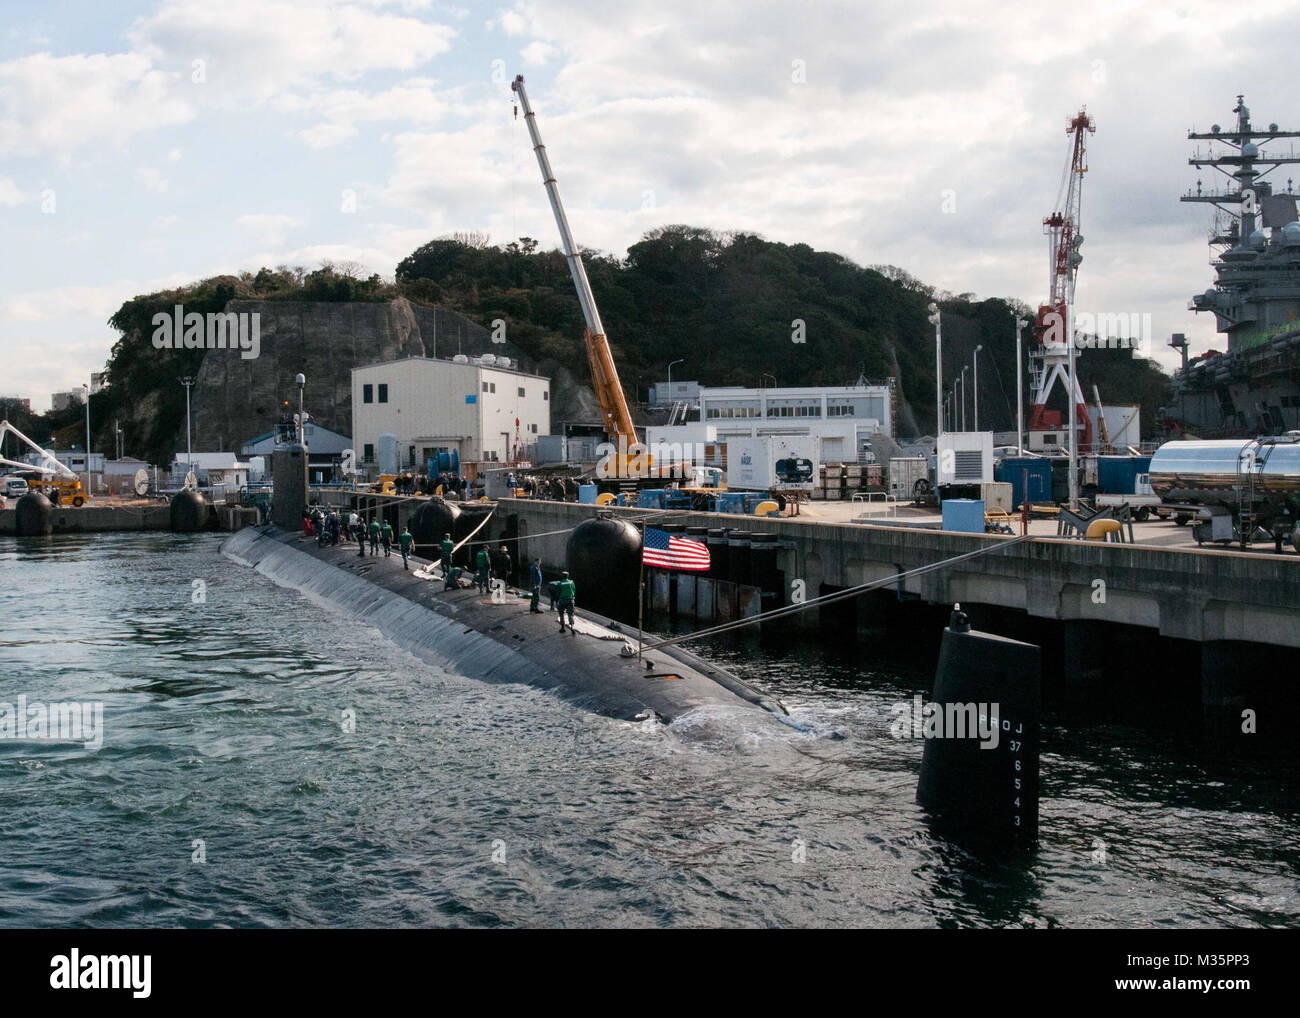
pixel 1237 489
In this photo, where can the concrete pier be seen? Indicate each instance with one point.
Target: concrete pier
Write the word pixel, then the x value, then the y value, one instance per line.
pixel 1241 608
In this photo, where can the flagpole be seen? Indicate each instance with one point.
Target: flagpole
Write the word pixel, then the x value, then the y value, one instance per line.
pixel 640 604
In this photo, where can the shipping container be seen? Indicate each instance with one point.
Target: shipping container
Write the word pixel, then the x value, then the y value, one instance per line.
pixel 1012 471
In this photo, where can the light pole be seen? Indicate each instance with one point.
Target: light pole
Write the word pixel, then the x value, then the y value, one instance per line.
pixel 963 397
pixel 301 381
pixel 87 441
pixel 1020 387
pixel 670 375
pixel 935 317
pixel 187 381
pixel 975 386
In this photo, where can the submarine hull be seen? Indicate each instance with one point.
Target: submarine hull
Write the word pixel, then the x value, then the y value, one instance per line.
pixel 466 632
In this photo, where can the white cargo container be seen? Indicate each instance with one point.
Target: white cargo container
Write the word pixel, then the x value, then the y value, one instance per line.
pixel 904 473
pixel 752 462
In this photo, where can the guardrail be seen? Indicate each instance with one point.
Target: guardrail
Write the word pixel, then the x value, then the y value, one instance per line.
pixel 867 497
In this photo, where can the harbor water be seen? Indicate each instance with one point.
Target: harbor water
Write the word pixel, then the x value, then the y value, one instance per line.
pixel 264 761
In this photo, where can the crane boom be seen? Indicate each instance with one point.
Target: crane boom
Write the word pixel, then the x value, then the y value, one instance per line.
pixel 604 375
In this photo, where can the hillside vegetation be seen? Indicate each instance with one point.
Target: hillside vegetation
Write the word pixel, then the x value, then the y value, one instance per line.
pixel 730 306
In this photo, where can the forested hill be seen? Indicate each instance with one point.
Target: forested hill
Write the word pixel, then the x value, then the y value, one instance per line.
pixel 728 306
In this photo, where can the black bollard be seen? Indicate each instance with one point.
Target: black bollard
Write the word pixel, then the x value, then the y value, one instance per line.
pixel 980 786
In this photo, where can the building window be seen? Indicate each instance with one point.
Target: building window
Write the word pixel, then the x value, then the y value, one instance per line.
pixel 383 393
pixel 367 394
pixel 521 390
pixel 485 387
pixel 533 428
pixel 368 452
pixel 546 395
pixel 489 386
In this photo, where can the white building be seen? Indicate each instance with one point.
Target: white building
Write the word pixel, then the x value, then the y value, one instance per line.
pixel 844 417
pixel 211 469
pixel 63 400
pixel 480 408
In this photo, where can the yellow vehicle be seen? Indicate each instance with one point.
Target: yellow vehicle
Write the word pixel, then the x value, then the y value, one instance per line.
pixel 60 490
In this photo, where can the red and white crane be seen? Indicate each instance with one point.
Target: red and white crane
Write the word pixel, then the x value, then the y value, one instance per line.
pixel 1051 356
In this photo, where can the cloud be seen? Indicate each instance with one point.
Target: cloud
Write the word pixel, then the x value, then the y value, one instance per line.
pixel 10 194
pixel 268 228
pixel 537 54
pixel 152 179
pixel 256 49
pixel 54 105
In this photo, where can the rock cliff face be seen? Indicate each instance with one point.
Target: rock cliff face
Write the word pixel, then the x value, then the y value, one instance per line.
pixel 235 400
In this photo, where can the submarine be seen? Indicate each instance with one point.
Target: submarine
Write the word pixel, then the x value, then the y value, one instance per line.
pixel 497 639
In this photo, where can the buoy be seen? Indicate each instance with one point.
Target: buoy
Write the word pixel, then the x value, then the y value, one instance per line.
pixel 188 512
pixel 33 515
pixel 979 768
pixel 603 557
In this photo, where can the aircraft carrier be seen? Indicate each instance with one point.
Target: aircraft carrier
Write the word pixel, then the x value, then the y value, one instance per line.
pixel 1252 388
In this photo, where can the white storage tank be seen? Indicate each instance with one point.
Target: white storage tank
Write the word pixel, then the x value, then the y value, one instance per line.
pixel 388 453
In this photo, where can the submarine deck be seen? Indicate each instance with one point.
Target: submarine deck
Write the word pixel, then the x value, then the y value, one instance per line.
pixel 467 632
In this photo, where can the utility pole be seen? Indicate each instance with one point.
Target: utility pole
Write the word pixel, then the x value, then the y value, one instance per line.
pixel 187 381
pixel 1020 395
pixel 975 389
pixel 301 381
pixel 87 441
pixel 935 317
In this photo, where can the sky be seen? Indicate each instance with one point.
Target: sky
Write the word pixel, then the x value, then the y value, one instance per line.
pixel 148 144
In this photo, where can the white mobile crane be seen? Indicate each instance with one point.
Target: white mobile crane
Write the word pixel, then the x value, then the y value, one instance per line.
pixel 55 475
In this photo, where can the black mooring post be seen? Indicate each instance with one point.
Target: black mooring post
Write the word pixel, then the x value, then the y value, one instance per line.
pixel 979 768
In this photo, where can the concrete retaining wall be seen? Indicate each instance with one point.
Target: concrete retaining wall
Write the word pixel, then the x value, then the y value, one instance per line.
pixel 1185 594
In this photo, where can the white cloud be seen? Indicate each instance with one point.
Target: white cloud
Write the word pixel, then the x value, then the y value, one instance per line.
pixel 10 194
pixel 268 228
pixel 152 179
pixel 537 54
pixel 258 48
pixel 54 105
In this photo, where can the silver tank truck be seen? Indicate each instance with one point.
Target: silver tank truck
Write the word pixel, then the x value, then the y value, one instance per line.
pixel 1237 488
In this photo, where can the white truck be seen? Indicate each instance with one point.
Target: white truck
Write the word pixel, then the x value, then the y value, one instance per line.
pixel 1143 501
pixel 773 462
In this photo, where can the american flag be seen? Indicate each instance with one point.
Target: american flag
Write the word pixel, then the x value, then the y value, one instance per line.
pixel 668 552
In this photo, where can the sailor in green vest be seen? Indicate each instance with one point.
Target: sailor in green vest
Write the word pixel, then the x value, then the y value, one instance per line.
pixel 567 595
pixel 448 549
pixel 483 570
pixel 386 536
pixel 405 539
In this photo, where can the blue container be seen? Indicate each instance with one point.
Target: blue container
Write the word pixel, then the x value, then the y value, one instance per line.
pixel 730 502
pixel 587 494
pixel 1012 471
pixel 964 515
pixel 1117 475
pixel 650 498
